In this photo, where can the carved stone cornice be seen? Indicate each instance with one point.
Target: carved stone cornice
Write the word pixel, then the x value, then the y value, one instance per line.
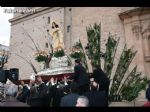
pixel 134 12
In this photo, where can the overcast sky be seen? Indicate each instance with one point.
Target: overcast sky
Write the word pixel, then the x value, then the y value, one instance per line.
pixel 5 26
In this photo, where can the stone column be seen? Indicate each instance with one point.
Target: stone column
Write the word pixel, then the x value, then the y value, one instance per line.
pixel 67 28
pixel 137 33
pixel 146 47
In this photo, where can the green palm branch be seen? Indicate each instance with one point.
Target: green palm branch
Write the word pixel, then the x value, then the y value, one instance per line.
pixel 133 83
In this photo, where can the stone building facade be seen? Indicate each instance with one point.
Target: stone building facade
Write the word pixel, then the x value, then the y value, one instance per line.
pixel 131 24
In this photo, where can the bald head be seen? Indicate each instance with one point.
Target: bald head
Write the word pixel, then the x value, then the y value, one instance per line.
pixel 12 90
pixel 82 101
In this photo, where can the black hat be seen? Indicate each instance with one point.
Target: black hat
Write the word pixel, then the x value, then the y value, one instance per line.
pixel 77 61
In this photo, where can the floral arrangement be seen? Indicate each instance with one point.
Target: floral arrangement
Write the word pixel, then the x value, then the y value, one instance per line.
pixel 76 53
pixel 41 56
pixel 59 53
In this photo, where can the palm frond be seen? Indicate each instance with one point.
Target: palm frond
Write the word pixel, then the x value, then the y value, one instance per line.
pixel 111 47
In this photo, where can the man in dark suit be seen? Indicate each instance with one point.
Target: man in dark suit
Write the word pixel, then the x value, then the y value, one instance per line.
pixel 33 99
pixel 101 78
pixel 70 99
pixel 42 92
pixel 80 77
pixel 96 98
pixel 54 93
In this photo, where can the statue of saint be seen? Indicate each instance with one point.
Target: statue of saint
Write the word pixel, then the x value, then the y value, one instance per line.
pixel 57 37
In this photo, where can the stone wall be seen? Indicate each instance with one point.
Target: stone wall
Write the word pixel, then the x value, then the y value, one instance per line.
pixel 83 17
pixel 20 43
pixel 73 22
pixel 136 37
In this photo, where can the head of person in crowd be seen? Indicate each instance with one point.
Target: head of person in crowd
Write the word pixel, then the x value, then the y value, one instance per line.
pixel 39 80
pixel 20 88
pixel 77 62
pixel 94 86
pixel 31 83
pixel 52 81
pixel 82 101
pixel 12 90
pixel 22 83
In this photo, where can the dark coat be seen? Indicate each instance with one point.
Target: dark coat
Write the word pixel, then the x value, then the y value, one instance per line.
pixel 24 95
pixel 43 94
pixel 33 99
pixel 80 76
pixel 57 97
pixel 97 98
pixel 69 100
pixel 103 81
pixel 52 89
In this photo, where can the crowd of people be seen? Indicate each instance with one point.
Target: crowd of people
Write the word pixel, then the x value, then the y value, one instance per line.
pixel 81 91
